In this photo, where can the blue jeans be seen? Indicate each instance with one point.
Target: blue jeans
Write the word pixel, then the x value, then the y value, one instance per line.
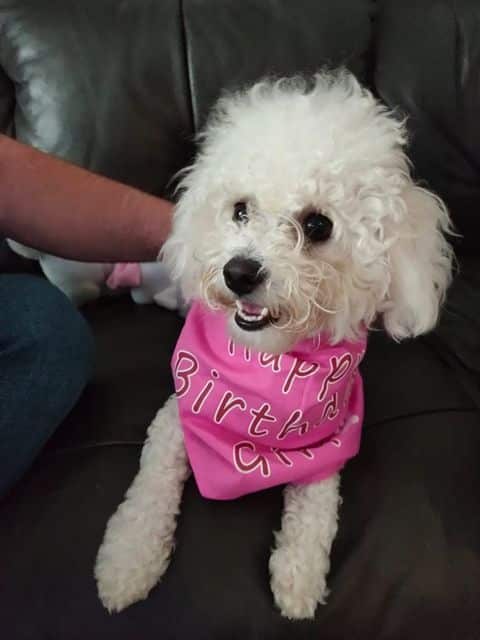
pixel 46 355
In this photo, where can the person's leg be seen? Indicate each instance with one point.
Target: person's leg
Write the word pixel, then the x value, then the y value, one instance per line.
pixel 46 354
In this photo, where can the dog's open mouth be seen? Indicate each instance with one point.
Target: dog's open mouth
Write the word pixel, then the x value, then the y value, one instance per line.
pixel 251 317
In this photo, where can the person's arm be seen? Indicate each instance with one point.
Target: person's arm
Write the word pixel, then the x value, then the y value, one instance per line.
pixel 58 208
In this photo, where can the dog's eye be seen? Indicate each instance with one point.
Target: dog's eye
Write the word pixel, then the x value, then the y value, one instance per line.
pixel 317 227
pixel 240 213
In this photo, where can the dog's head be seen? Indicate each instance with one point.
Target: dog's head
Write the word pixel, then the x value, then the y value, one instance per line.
pixel 300 216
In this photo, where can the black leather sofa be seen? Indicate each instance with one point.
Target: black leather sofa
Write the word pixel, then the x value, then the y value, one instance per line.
pixel 121 86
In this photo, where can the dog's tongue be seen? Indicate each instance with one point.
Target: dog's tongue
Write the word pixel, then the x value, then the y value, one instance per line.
pixel 251 309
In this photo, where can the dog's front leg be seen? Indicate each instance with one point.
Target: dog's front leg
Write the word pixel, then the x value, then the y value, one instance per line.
pixel 300 562
pixel 140 535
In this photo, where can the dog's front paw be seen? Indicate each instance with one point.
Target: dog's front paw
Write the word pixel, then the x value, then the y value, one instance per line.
pixel 117 586
pixel 129 562
pixel 298 581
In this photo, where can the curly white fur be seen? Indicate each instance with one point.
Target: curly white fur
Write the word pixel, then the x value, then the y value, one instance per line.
pixel 140 536
pixel 333 148
pixel 301 560
pixel 287 148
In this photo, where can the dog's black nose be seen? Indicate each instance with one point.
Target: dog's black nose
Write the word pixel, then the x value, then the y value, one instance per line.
pixel 243 275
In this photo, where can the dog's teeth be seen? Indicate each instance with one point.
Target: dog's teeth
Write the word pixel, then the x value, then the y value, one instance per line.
pixel 245 312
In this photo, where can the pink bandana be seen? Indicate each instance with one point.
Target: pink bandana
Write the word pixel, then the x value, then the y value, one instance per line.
pixel 254 420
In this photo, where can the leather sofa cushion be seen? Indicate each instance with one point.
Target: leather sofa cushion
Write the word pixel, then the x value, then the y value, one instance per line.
pixel 405 563
pixel 119 87
pixel 231 44
pixel 101 84
pixel 7 99
pixel 427 61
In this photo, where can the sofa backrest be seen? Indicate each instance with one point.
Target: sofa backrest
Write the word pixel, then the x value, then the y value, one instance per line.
pixel 427 63
pixel 121 86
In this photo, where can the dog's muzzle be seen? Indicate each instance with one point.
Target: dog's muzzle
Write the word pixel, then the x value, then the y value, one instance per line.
pixel 242 276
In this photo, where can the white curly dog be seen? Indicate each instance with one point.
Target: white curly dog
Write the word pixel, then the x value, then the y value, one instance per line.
pixel 298 224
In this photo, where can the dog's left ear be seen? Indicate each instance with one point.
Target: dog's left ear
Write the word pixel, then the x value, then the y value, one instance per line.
pixel 177 252
pixel 420 264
